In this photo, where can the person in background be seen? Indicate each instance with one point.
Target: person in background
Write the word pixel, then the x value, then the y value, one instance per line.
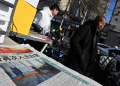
pixel 42 20
pixel 83 45
pixel 42 23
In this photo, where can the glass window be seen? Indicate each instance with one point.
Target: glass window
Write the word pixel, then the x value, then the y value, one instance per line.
pixel 116 19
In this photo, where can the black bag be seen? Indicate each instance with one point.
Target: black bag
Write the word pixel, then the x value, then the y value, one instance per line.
pixel 108 63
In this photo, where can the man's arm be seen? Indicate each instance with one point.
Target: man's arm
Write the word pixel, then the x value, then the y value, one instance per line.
pixel 38 17
pixel 36 21
pixel 77 37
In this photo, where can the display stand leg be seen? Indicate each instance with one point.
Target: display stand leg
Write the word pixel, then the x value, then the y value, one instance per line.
pixel 43 48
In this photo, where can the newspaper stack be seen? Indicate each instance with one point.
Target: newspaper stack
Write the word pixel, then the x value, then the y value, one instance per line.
pixel 27 67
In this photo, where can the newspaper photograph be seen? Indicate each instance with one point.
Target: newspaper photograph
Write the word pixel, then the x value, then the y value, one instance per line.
pixel 37 69
pixel 29 72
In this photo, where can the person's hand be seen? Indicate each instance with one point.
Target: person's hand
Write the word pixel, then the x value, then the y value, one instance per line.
pixel 40 32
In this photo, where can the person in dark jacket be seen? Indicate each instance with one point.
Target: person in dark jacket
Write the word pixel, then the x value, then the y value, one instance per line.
pixel 83 45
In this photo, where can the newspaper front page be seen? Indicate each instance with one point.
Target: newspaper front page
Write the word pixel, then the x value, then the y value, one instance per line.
pixel 27 67
pixel 5 80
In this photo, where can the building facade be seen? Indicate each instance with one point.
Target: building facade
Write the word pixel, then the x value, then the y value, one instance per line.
pixel 115 19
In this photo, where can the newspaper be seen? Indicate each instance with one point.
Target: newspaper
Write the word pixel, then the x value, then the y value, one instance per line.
pixel 39 70
pixel 5 80
pixel 17 53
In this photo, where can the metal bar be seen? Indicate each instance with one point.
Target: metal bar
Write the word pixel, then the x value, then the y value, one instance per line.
pixel 85 12
pixel 83 4
pixel 11 18
pixel 43 48
pixel 64 14
pixel 6 3
pixel 61 22
pixel 79 9
pixel 84 18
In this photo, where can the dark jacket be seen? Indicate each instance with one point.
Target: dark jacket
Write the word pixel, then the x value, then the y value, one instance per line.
pixel 35 24
pixel 83 48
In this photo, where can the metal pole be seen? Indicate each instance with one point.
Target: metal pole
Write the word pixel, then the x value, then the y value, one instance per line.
pixel 84 17
pixel 64 14
pixel 61 22
pixel 11 18
pixel 85 13
pixel 43 48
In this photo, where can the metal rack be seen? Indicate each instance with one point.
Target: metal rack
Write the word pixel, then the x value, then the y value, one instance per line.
pixel 6 3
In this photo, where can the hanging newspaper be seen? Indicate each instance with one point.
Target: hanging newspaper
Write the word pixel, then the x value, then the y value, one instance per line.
pixel 32 68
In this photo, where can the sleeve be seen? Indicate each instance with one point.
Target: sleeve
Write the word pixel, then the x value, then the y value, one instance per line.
pixel 76 39
pixel 38 17
pixel 36 20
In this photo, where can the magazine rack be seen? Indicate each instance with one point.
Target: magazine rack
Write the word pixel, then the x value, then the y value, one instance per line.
pixel 7 3
pixel 6 11
pixel 24 13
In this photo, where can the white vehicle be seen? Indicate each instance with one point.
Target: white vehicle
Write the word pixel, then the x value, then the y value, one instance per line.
pixel 104 50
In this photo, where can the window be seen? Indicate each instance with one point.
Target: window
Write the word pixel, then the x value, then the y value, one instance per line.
pixel 116 19
pixel 118 13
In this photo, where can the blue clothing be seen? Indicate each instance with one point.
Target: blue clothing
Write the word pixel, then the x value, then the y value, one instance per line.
pixel 17 71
